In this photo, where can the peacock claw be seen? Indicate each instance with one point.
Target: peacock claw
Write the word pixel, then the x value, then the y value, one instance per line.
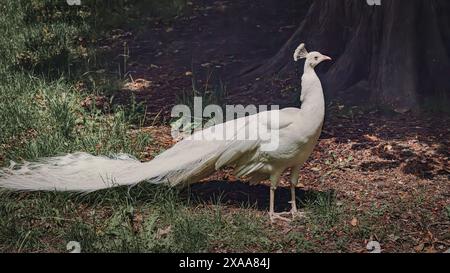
pixel 295 214
pixel 287 213
pixel 277 216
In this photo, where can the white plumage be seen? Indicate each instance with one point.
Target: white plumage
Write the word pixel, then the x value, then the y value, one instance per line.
pixel 192 160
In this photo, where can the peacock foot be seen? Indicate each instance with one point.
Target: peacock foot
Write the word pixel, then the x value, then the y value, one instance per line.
pixel 294 213
pixel 278 216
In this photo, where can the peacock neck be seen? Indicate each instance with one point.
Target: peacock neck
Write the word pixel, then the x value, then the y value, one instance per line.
pixel 312 98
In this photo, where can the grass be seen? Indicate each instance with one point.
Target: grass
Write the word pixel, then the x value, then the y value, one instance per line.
pixel 146 219
pixel 447 212
pixel 45 119
pixel 44 59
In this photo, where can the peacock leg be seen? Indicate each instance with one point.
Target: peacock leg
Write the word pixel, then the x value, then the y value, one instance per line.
pixel 295 174
pixel 294 181
pixel 274 179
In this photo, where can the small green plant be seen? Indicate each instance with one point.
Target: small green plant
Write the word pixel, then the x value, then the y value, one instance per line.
pixel 209 94
pixel 324 213
pixel 190 234
pixel 134 111
pixel 324 205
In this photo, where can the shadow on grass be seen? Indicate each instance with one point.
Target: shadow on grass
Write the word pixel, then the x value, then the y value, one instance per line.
pixel 242 194
pixel 230 193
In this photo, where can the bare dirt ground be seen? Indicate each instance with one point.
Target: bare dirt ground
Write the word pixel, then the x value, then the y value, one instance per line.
pixel 389 174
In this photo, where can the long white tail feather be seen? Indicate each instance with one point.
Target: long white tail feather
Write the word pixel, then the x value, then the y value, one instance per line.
pixel 79 172
pixel 82 172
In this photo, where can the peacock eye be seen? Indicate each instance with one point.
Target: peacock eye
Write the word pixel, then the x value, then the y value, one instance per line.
pixel 316 58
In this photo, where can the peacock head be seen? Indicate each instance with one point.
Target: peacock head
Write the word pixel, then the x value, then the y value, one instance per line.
pixel 312 58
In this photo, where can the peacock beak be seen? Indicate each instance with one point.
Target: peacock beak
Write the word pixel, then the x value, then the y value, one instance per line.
pixel 326 58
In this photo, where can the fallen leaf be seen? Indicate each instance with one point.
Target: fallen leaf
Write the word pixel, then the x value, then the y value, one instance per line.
pixel 162 232
pixel 420 247
pixel 354 222
pixel 137 222
pixel 430 249
pixel 388 147
pixel 371 138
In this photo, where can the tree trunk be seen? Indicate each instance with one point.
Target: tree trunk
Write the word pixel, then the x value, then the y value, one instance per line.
pixel 394 54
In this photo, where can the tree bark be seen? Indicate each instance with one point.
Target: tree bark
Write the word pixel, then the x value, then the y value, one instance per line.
pixel 394 54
